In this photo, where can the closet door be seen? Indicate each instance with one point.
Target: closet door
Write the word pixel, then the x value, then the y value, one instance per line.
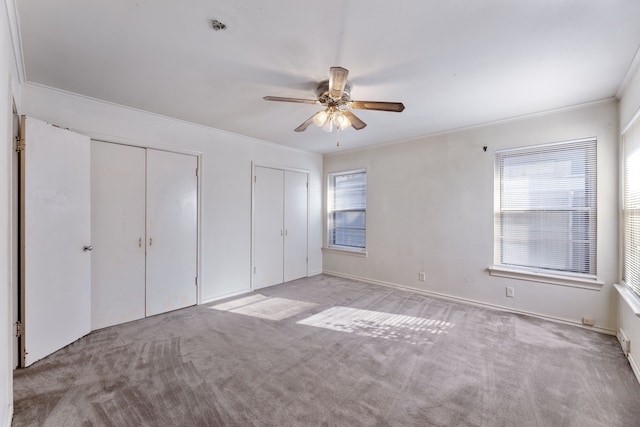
pixel 172 213
pixel 268 253
pixel 55 238
pixel 118 234
pixel 295 225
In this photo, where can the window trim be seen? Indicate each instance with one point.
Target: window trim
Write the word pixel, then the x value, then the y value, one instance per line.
pixel 633 297
pixel 342 251
pixel 349 250
pixel 538 274
pixel 573 280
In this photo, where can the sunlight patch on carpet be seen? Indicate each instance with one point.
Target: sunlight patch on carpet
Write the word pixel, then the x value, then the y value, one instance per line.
pixel 378 324
pixel 240 302
pixel 263 307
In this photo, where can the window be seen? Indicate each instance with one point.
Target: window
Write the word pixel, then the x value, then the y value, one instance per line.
pixel 347 202
pixel 547 208
pixel 631 208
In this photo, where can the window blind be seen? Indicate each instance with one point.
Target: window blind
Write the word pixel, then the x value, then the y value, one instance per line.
pixel 631 208
pixel 547 208
pixel 347 209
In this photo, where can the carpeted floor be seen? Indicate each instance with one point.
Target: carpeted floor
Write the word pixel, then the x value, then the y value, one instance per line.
pixel 326 351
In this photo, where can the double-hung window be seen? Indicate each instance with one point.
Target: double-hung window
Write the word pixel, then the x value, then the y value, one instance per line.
pixel 546 208
pixel 631 208
pixel 347 205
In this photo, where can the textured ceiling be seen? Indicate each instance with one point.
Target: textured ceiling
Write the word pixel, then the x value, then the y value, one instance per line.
pixel 453 63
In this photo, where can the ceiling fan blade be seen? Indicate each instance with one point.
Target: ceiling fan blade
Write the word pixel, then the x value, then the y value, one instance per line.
pixel 298 100
pixel 337 81
pixel 305 125
pixel 355 121
pixel 380 106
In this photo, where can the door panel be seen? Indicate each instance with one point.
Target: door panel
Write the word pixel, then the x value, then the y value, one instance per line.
pixel 295 220
pixel 56 279
pixel 172 199
pixel 15 239
pixel 268 231
pixel 118 234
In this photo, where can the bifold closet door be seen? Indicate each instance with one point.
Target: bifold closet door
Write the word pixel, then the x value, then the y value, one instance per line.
pixel 118 232
pixel 268 198
pixel 55 238
pixel 172 212
pixel 279 226
pixel 295 225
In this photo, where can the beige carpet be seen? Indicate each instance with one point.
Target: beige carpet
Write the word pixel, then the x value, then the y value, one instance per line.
pixel 327 351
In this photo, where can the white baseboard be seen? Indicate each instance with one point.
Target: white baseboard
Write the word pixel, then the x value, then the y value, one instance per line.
pixel 472 302
pixel 314 273
pixel 634 366
pixel 7 422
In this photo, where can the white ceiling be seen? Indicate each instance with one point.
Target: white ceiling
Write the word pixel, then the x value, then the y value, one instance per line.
pixel 453 63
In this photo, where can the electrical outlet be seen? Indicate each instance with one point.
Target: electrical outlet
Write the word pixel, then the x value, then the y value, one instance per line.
pixel 509 292
pixel 624 342
pixel 587 321
pixel 421 276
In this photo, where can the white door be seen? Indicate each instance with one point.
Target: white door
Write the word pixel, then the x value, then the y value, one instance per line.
pixel 295 225
pixel 268 199
pixel 56 279
pixel 172 214
pixel 118 234
pixel 15 238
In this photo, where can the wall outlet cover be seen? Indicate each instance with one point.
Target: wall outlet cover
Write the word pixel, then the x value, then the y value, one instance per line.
pixel 587 321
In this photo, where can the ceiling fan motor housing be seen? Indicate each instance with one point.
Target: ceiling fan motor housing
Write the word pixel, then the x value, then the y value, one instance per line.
pixel 322 92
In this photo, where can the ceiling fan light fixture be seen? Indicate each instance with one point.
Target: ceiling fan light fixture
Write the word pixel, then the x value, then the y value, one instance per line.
pixel 320 118
pixel 328 125
pixel 340 120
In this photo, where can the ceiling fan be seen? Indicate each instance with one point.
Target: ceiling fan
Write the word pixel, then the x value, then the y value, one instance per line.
pixel 335 95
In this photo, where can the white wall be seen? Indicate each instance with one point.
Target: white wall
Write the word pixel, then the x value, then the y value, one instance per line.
pixel 225 176
pixel 430 207
pixel 627 318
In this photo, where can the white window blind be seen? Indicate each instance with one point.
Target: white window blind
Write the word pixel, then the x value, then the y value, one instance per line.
pixel 631 208
pixel 547 208
pixel 347 209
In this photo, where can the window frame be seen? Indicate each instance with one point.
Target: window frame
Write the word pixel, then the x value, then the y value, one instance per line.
pixel 330 211
pixel 629 137
pixel 537 272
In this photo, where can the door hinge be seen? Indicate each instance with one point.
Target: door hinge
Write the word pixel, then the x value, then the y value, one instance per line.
pixel 196 280
pixel 20 145
pixel 196 171
pixel 19 329
pixel 255 178
pixel 254 270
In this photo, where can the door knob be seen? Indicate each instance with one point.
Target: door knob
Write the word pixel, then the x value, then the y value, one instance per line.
pixel 87 248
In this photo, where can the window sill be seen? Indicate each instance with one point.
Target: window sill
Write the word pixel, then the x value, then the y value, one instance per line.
pixel 632 301
pixel 341 251
pixel 554 279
